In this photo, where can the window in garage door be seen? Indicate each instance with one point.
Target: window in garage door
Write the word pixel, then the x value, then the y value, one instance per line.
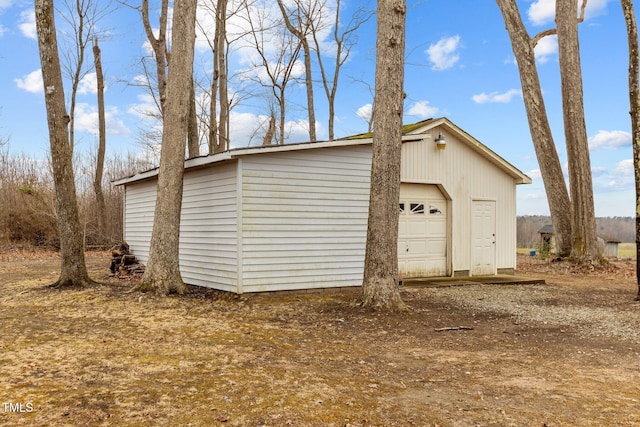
pixel 422 231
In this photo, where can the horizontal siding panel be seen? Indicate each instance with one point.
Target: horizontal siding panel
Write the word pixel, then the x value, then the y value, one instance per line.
pixel 220 270
pixel 295 283
pixel 341 160
pixel 297 262
pixel 253 230
pixel 261 247
pixel 209 219
pixel 281 190
pixel 296 206
pixel 220 285
pixel 301 275
pixel 348 219
pixel 311 235
pixel 328 175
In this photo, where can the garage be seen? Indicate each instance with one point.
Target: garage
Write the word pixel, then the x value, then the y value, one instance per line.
pixel 294 217
pixel 422 231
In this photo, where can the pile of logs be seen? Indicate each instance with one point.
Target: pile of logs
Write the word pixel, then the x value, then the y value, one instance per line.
pixel 123 263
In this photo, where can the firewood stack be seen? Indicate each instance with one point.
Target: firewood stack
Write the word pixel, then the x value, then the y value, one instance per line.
pixel 123 263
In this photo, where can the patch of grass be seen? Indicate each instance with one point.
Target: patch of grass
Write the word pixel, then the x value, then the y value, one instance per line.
pixel 627 250
pixel 524 251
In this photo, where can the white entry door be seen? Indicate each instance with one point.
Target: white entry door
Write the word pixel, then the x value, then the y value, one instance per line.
pixel 422 231
pixel 483 238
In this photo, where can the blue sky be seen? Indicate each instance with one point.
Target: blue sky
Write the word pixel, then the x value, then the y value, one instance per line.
pixel 459 64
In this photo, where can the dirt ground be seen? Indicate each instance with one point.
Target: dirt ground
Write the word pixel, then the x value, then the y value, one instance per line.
pixel 562 354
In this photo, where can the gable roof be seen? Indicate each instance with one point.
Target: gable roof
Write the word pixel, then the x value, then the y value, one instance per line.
pixel 546 229
pixel 411 132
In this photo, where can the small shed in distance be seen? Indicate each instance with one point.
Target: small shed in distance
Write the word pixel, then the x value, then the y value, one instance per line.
pixel 547 239
pixel 608 245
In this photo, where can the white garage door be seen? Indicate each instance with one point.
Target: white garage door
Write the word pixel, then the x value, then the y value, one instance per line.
pixel 422 231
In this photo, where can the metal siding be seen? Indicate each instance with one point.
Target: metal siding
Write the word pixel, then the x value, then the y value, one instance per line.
pixel 140 203
pixel 208 255
pixel 304 218
pixel 208 230
pixel 465 175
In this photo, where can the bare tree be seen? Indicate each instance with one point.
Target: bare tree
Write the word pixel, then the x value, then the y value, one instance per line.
pixel 268 36
pixel 344 38
pixel 82 17
pixel 299 22
pixel 220 103
pixel 73 268
pixel 634 102
pixel 583 227
pixel 551 170
pixel 102 141
pixel 380 283
pixel 162 274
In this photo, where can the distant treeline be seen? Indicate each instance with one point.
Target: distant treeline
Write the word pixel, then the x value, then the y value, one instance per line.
pixel 619 227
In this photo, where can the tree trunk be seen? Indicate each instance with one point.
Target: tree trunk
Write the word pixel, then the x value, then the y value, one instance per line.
pixel 546 153
pixel 193 141
pixel 223 127
pixel 583 226
pixel 73 268
pixel 213 106
pixel 159 46
pixel 162 274
pixel 634 102
pixel 102 144
pixel 380 284
pixel 309 84
pixel 281 122
pixel 271 130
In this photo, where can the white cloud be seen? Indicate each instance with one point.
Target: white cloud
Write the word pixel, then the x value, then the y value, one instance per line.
pixel 610 139
pixel 365 112
pixel 6 4
pixel 495 97
pixel 146 108
pixel 545 48
pixel 422 109
pixel 597 171
pixel 444 53
pixel 88 84
pixel 298 131
pixel 595 8
pixel 28 24
pixel 2 30
pixel 621 177
pixel 31 82
pixel 86 120
pixel 534 196
pixel 534 174
pixel 624 168
pixel 543 12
